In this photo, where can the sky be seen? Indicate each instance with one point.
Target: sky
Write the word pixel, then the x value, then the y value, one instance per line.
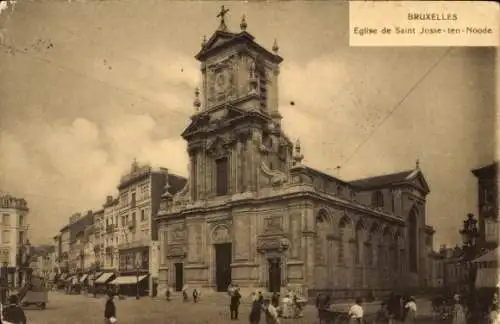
pixel 87 86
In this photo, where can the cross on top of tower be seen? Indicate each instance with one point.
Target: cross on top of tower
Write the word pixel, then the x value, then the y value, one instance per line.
pixel 221 14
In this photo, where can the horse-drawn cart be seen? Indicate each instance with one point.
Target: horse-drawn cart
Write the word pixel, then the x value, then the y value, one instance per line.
pixel 36 293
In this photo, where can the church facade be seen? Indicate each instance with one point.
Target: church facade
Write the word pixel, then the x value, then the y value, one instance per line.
pixel 253 214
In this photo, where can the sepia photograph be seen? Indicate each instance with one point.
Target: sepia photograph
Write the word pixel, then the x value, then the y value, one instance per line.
pixel 240 161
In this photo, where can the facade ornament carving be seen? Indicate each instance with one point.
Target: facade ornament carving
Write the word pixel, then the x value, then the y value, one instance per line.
pixel 298 156
pixel 243 23
pixel 176 251
pixel 275 46
pixel 221 234
pixel 197 102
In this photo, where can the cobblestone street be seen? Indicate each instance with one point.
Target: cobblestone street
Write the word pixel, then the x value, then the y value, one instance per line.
pixel 78 309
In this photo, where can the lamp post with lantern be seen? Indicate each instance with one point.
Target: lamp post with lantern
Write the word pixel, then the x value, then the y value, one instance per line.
pixel 469 234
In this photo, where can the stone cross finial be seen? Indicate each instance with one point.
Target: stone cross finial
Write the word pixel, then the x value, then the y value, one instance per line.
pixel 417 164
pixel 204 41
pixel 221 15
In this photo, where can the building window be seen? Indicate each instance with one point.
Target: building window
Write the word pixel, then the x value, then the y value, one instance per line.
pixel 143 215
pixel 378 199
pixel 6 237
pixel 21 220
pixel 222 176
pixel 21 237
pixel 6 219
pixel 393 202
pixel 132 200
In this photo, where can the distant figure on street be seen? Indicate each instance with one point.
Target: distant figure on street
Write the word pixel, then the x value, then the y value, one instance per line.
pixel 322 305
pixel 110 310
pixel 196 294
pixel 410 310
pixel 13 313
pixel 255 311
pixel 356 313
pixel 235 303
pixel 458 313
pixel 383 315
pixel 168 294
pixel 185 297
pixel 271 313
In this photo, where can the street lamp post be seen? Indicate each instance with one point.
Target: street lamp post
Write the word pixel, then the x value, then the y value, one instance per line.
pixel 470 233
pixel 137 268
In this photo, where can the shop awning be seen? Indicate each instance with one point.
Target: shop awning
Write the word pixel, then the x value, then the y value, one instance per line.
pixel 127 280
pixel 490 256
pixel 487 278
pixel 104 277
pixel 82 279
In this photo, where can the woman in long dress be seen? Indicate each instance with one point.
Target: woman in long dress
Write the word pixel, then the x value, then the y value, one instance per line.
pixel 410 310
pixel 286 307
pixel 271 312
pixel 458 314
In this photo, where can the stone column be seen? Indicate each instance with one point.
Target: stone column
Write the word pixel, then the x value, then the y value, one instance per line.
pixel 250 166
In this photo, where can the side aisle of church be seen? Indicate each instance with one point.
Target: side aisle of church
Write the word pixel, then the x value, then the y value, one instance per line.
pixel 251 213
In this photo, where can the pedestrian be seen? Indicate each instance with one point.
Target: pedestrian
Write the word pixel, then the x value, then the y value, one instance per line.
pixel 383 316
pixel 110 309
pixel 13 313
pixel 494 316
pixel 255 311
pixel 275 299
pixel 410 310
pixel 458 313
pixel 195 295
pixel 234 303
pixel 271 312
pixel 322 305
pixel 356 312
pixel 185 297
pixel 168 294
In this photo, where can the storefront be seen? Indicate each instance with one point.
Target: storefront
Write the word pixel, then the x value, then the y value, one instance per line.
pixel 134 272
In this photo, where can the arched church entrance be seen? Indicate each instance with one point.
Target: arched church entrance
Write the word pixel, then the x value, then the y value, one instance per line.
pixel 223 248
pixel 274 267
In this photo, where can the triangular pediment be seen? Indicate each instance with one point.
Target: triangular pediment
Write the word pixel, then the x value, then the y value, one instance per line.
pixel 417 179
pixel 196 124
pixel 218 39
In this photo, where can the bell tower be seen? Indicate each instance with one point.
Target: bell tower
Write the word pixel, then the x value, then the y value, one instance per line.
pixel 236 124
pixel 238 71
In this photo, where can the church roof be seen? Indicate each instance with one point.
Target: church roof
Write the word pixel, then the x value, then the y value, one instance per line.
pixel 489 169
pixel 382 180
pixel 414 177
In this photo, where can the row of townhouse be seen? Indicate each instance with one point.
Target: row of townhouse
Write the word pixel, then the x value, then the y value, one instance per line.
pixel 121 238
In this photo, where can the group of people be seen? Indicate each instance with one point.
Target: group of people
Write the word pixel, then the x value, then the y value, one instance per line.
pixel 395 308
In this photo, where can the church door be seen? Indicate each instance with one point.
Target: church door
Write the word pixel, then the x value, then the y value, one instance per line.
pixel 223 258
pixel 179 276
pixel 274 275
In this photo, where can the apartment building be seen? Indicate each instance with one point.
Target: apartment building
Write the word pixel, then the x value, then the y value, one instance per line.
pixel 134 226
pixel 110 234
pixel 13 231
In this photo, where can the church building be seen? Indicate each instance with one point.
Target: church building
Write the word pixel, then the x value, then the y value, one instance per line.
pixel 254 215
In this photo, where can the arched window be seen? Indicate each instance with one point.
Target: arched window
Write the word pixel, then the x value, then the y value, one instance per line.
pixel 371 245
pixel 358 235
pixel 322 228
pixel 343 238
pixel 413 241
pixel 378 199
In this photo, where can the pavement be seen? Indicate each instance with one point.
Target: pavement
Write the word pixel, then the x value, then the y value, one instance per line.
pixel 76 309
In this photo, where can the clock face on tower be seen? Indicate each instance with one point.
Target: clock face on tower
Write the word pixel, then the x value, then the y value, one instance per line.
pixel 221 83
